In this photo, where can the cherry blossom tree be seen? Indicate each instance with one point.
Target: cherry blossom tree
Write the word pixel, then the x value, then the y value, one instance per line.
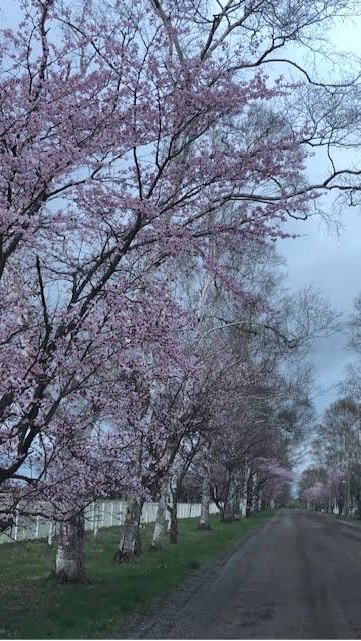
pixel 98 185
pixel 128 139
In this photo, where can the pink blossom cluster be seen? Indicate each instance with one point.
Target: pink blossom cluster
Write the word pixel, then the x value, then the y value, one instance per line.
pixel 116 158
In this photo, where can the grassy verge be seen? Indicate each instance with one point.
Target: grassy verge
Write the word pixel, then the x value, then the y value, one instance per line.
pixel 32 607
pixel 346 519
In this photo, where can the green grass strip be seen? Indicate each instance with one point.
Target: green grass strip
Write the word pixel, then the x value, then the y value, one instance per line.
pixel 33 607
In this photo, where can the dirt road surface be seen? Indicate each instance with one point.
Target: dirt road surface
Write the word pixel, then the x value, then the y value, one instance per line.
pixel 298 577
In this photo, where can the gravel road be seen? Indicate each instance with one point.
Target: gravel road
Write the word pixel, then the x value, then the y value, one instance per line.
pixel 298 577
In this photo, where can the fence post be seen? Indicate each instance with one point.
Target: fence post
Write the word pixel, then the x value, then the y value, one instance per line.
pixel 37 527
pixel 111 513
pixel 50 533
pixel 16 525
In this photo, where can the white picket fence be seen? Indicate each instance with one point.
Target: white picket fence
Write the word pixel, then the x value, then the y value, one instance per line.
pixel 100 514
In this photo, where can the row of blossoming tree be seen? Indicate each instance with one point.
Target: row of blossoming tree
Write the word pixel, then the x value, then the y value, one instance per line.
pixel 333 482
pixel 147 164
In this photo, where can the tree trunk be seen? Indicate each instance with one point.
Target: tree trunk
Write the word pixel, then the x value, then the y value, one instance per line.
pixel 173 529
pixel 228 511
pixel 249 495
pixel 237 508
pixel 255 503
pixel 206 498
pixel 340 506
pixel 358 502
pixel 237 499
pixel 130 542
pixel 172 509
pixel 70 555
pixel 161 524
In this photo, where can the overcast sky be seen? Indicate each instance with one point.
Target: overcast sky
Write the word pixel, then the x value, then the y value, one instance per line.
pixel 330 261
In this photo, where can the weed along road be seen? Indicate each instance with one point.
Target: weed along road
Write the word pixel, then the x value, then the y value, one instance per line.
pixel 298 577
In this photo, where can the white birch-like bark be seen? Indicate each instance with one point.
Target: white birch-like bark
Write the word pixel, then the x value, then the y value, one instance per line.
pixel 206 492
pixel 248 490
pixel 172 509
pixel 254 495
pixel 51 533
pixel 130 542
pixel 70 556
pixel 161 523
pixel 70 553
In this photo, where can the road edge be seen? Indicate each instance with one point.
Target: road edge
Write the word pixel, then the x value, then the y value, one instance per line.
pixel 138 624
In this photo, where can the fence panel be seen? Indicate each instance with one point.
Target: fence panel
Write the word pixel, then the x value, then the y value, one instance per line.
pixel 99 514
